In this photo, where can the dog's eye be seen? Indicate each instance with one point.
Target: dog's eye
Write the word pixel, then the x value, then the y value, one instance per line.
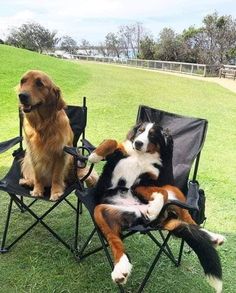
pixel 38 82
pixel 140 130
pixel 23 80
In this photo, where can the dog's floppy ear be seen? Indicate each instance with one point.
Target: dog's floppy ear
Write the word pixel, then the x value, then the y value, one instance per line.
pixel 133 131
pixel 168 141
pixel 60 103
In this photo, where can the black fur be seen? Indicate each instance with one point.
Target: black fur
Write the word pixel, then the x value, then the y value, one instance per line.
pixel 164 143
pixel 201 243
pixel 104 181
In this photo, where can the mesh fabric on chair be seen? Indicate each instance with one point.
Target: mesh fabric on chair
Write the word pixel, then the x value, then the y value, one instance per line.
pixel 16 192
pixel 188 135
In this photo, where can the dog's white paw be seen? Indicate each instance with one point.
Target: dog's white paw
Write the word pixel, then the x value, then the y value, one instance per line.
pixel 55 196
pixel 121 270
pixel 94 158
pixel 217 239
pixel 155 206
pixel 36 193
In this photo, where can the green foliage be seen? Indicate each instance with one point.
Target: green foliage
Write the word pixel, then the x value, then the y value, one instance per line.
pixel 32 36
pixel 39 263
pixel 113 44
pixel 68 44
pixel 147 49
pixel 213 43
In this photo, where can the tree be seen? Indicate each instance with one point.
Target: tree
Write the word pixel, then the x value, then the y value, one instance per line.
pixel 86 46
pixel 130 37
pixel 220 36
pixel 32 36
pixel 69 45
pixel 168 45
pixel 113 44
pixel 102 49
pixel 192 45
pixel 147 48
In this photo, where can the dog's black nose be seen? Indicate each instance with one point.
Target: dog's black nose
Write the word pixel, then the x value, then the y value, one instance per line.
pixel 138 144
pixel 24 98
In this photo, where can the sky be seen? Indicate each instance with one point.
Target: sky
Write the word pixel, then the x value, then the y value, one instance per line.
pixel 93 19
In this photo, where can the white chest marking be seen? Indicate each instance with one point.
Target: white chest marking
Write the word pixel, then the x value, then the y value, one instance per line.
pixel 132 167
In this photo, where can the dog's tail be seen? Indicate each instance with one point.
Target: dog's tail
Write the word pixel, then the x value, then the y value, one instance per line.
pixel 201 243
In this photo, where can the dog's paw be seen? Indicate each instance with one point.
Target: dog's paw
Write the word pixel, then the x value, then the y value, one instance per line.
pixel 155 206
pixel 36 193
pixel 94 158
pixel 217 239
pixel 55 196
pixel 27 182
pixel 121 270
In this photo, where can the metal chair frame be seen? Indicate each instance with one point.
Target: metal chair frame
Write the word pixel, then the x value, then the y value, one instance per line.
pixel 162 243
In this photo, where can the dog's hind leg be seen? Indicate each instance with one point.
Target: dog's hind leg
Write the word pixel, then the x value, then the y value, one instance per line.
pixel 109 220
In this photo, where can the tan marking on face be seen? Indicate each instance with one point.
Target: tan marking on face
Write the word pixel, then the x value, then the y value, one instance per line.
pixel 152 148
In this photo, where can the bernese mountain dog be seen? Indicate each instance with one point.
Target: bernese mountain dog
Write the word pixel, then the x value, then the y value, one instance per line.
pixel 127 194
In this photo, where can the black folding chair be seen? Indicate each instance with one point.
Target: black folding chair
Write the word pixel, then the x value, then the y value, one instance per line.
pixel 188 135
pixel 17 193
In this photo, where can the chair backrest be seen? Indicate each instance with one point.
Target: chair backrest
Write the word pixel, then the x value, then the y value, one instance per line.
pixel 188 135
pixel 78 120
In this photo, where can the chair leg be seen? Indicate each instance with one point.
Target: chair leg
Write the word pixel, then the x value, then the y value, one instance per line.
pixel 154 263
pixel 38 220
pixel 3 249
pixel 22 200
pixel 81 255
pixel 121 288
pixel 180 252
pixel 19 205
pixel 80 208
pixel 77 226
pixel 167 251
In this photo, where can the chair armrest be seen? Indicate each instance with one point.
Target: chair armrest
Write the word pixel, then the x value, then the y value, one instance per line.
pixel 161 216
pixel 6 145
pixel 88 145
pixel 192 198
pixel 74 151
pixel 193 195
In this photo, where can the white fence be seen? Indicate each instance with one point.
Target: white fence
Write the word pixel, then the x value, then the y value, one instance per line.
pixel 179 67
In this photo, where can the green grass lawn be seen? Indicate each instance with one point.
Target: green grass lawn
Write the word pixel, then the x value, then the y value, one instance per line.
pixel 39 263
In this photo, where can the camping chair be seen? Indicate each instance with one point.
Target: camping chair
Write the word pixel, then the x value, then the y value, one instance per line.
pixel 10 183
pixel 188 136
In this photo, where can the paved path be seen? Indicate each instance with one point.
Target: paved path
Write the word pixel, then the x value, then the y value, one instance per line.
pixel 230 84
pixel 227 83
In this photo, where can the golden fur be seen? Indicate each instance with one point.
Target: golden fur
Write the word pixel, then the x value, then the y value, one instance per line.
pixel 47 131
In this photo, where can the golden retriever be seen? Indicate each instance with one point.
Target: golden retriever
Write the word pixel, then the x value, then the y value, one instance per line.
pixel 47 130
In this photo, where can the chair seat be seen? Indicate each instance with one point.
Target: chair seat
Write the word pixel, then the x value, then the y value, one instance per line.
pixel 10 183
pixel 88 198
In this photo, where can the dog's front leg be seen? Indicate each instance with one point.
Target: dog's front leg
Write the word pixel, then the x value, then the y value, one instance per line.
pixel 38 189
pixel 58 177
pixel 106 148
